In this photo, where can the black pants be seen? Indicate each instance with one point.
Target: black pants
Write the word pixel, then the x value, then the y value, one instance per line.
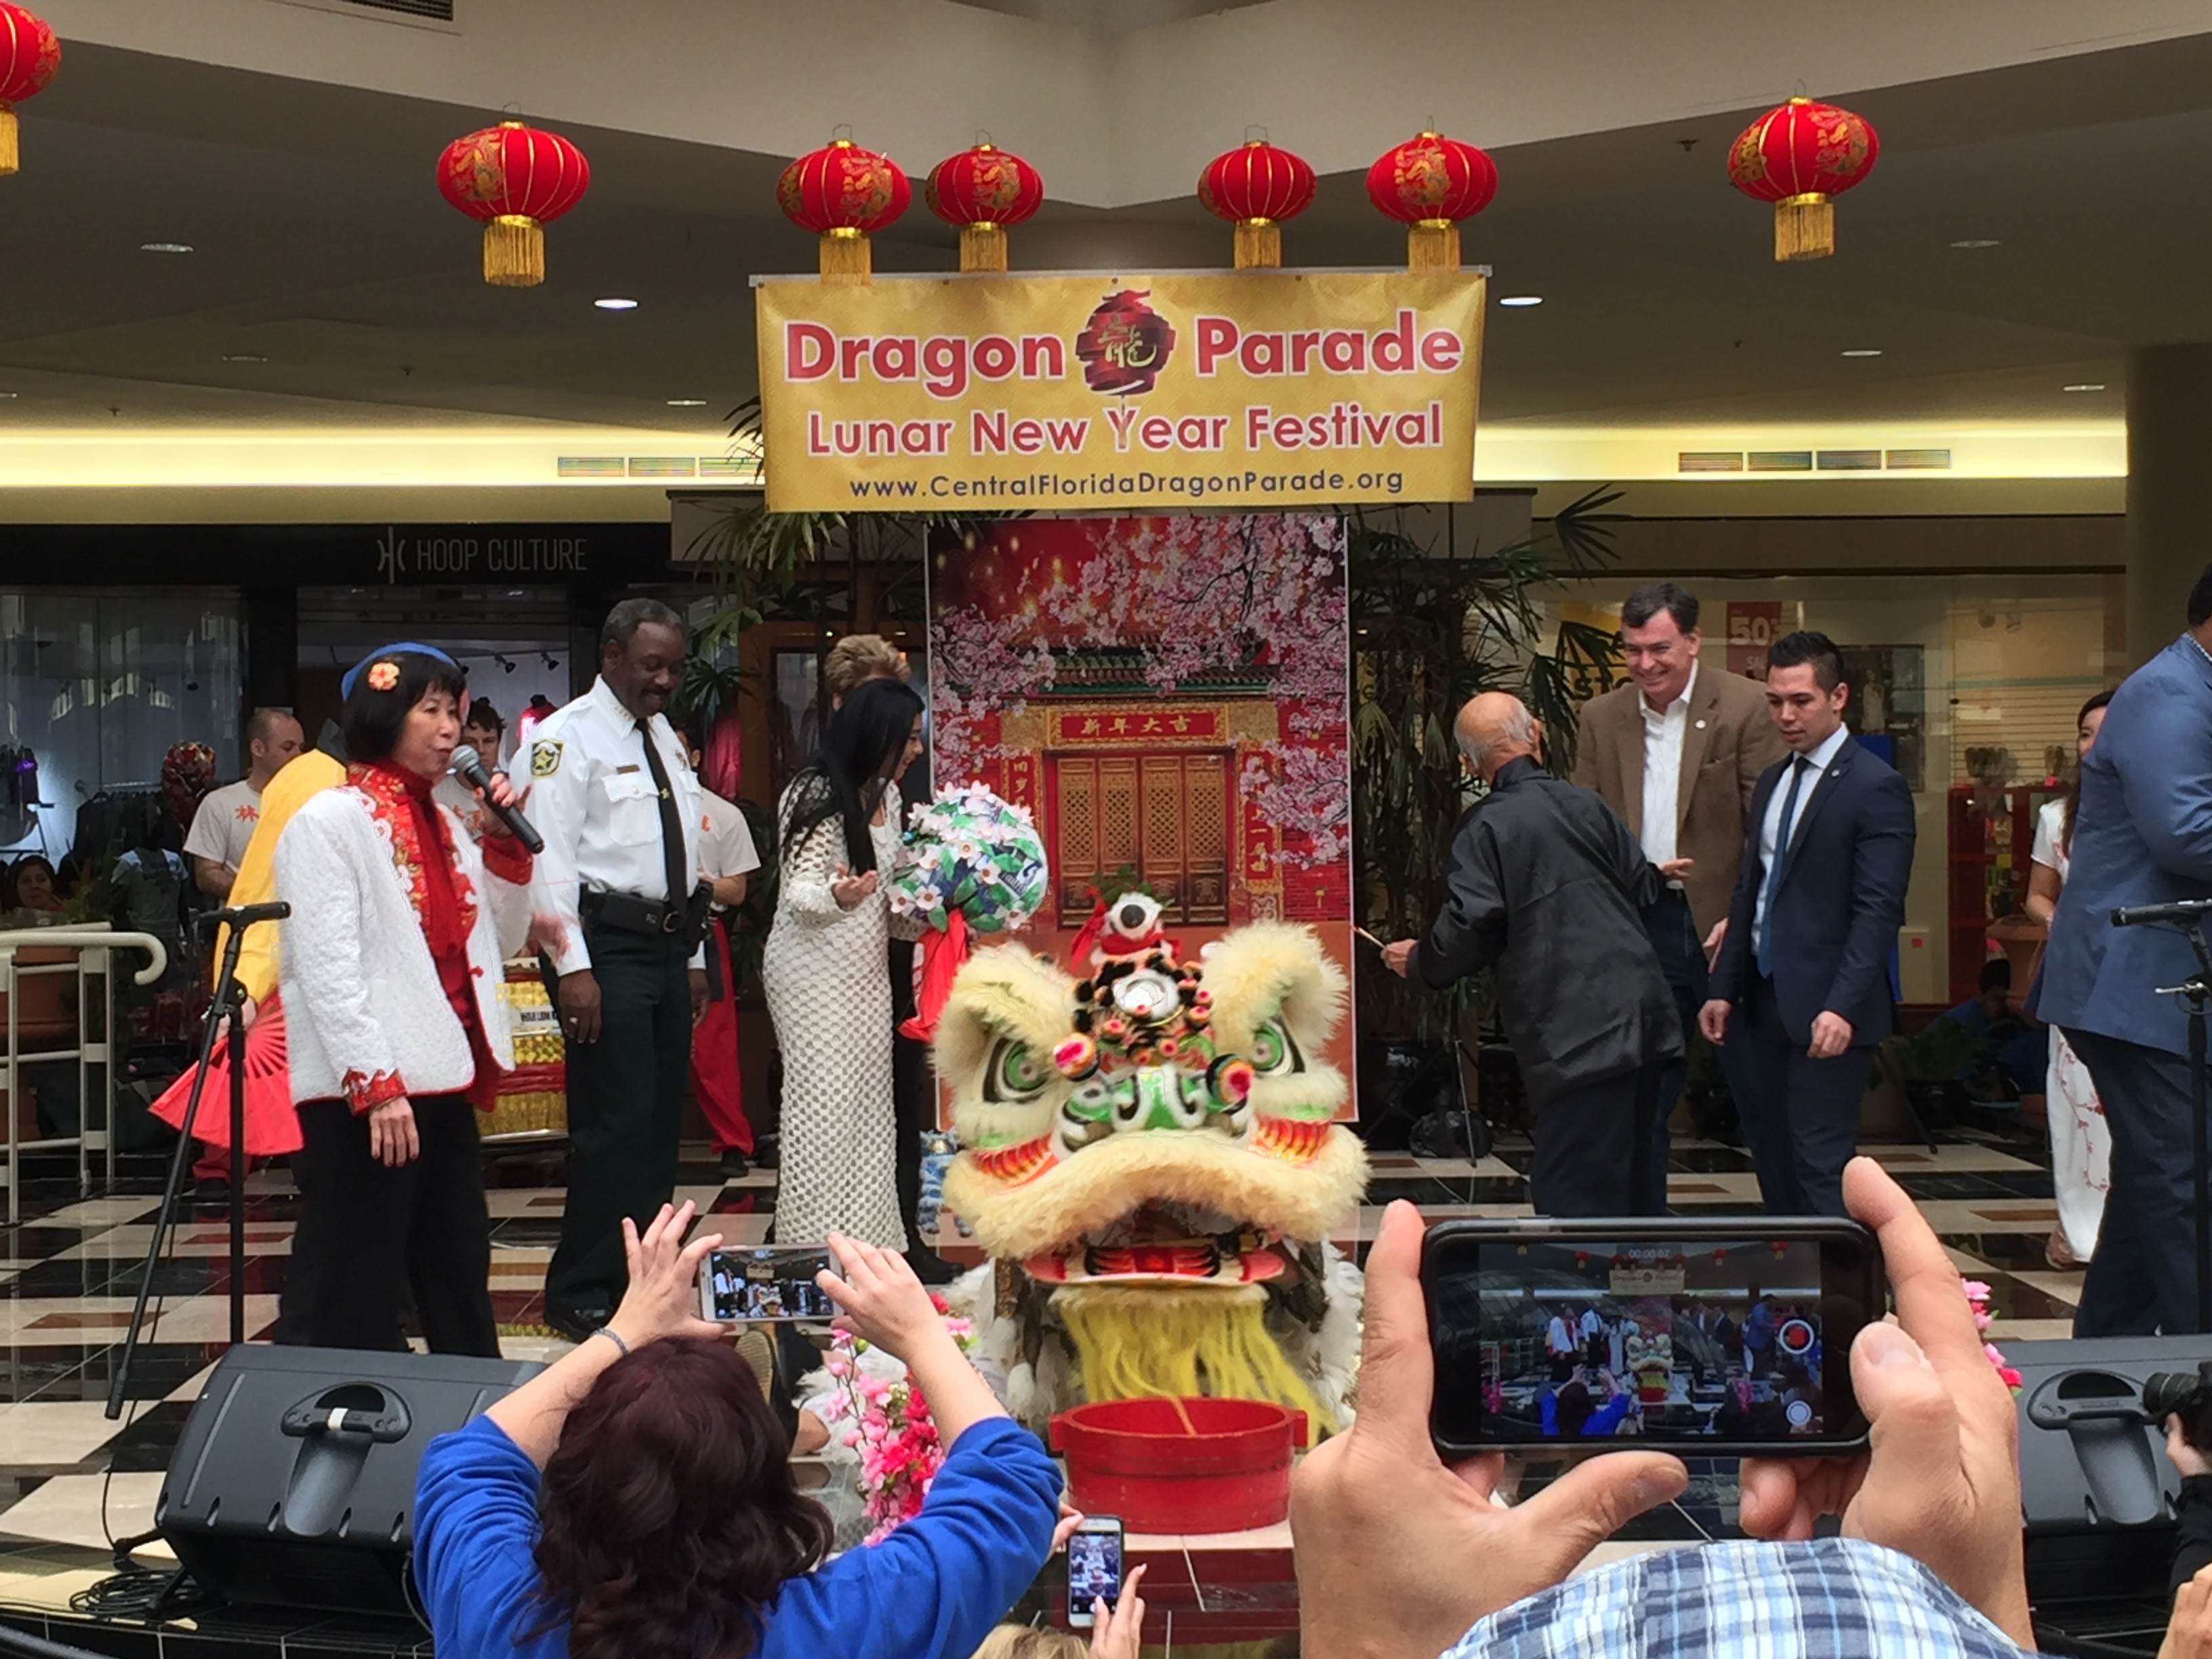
pixel 625 1116
pixel 1800 1116
pixel 1595 1147
pixel 912 1096
pixel 2143 1278
pixel 369 1234
pixel 1674 931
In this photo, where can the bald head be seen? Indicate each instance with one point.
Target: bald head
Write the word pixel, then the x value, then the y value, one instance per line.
pixel 1495 728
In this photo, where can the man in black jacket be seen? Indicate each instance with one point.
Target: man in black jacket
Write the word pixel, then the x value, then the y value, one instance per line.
pixel 1547 885
pixel 1803 975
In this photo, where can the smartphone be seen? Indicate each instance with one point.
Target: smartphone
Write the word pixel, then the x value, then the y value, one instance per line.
pixel 1094 1568
pixel 766 1282
pixel 1720 1337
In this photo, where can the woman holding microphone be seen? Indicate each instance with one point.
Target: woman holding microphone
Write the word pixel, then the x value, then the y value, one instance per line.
pixel 391 964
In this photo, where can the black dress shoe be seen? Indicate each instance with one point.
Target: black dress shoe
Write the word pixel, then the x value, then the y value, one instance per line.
pixel 930 1267
pixel 765 1151
pixel 210 1194
pixel 577 1328
pixel 734 1166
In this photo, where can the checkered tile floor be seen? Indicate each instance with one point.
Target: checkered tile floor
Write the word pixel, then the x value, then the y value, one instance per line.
pixel 70 1479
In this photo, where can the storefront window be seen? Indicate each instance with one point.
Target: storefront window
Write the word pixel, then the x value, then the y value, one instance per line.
pixel 1968 685
pixel 97 689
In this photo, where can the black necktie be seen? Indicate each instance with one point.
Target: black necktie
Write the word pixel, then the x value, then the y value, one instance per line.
pixel 672 824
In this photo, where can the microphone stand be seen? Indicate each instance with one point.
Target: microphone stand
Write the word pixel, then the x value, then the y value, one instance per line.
pixel 225 1006
pixel 2197 991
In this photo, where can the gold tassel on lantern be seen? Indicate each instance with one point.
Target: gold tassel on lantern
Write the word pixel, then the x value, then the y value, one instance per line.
pixel 983 247
pixel 11 155
pixel 1432 244
pixel 1804 226
pixel 846 256
pixel 1259 245
pixel 514 251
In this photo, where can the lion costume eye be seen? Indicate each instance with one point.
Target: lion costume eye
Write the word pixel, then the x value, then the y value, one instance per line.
pixel 1274 1050
pixel 1014 1075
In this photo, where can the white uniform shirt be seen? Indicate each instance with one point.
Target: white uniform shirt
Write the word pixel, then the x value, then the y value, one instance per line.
pixel 591 795
pixel 725 839
pixel 1663 770
pixel 1771 833
pixel 224 824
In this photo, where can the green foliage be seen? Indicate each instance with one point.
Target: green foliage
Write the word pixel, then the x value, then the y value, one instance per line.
pixel 1432 627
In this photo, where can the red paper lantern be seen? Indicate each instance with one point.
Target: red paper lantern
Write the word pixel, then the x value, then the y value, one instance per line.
pixel 1801 157
pixel 515 178
pixel 29 55
pixel 983 190
pixel 1256 187
pixel 1431 182
pixel 842 192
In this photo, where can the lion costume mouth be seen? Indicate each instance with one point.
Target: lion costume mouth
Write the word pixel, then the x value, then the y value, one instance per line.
pixel 1164 1244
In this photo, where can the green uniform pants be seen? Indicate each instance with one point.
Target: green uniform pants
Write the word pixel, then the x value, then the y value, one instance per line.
pixel 625 1114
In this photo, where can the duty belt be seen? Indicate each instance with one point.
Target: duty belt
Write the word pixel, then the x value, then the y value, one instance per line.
pixel 627 913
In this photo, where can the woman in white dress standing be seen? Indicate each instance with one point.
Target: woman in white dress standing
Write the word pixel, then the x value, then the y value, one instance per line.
pixel 2081 1143
pixel 838 832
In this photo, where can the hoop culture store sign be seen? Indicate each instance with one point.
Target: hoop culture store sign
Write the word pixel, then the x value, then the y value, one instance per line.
pixel 1089 393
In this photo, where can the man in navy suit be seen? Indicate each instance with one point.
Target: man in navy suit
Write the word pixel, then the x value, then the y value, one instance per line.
pixel 2142 834
pixel 1803 973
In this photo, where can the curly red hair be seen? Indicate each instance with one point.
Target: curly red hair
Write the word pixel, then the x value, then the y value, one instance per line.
pixel 668 1511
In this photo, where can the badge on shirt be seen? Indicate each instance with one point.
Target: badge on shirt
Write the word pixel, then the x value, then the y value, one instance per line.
pixel 545 757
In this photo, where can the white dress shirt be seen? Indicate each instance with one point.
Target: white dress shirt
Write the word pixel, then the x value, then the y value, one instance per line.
pixel 1771 833
pixel 725 839
pixel 591 795
pixel 1663 770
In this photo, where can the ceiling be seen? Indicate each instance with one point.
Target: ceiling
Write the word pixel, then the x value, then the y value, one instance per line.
pixel 322 246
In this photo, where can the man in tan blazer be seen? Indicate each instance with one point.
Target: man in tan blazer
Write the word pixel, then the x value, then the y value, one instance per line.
pixel 1677 752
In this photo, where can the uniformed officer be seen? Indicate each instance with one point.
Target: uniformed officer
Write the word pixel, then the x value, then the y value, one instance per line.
pixel 618 916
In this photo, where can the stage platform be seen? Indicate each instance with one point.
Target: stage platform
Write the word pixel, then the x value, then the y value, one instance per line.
pixel 71 1481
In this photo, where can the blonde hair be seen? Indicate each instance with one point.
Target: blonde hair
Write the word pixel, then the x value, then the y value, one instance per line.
pixel 1022 1642
pixel 858 657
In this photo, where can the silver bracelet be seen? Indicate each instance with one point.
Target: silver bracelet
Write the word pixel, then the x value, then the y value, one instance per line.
pixel 611 1336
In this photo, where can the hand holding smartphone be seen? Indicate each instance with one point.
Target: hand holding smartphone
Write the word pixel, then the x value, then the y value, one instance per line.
pixel 1094 1568
pixel 765 1284
pixel 1719 1337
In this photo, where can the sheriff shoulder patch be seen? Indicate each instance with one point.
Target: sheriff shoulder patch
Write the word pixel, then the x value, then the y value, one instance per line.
pixel 545 757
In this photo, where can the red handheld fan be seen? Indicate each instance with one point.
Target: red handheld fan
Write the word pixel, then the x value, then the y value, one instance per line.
pixel 272 1126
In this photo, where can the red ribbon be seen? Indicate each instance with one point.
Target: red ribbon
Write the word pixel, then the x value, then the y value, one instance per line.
pixel 942 955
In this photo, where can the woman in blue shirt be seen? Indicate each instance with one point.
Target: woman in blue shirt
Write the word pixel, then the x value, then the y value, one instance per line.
pixel 667 1525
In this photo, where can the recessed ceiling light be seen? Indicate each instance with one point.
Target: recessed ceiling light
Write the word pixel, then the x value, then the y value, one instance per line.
pixel 165 248
pixel 1978 241
pixel 2086 386
pixel 1863 351
pixel 687 402
pixel 616 304
pixel 1523 299
pixel 243 357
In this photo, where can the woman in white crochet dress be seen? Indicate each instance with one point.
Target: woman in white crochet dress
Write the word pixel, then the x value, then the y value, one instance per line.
pixel 392 972
pixel 2081 1143
pixel 838 833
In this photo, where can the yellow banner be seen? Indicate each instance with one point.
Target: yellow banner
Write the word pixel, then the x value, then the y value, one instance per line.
pixel 1113 393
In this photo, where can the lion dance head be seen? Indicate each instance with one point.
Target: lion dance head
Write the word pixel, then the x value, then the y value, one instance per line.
pixel 1152 1161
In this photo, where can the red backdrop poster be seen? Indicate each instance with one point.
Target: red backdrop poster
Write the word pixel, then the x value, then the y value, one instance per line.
pixel 1171 697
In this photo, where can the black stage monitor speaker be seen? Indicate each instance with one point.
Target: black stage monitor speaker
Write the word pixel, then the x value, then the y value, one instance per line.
pixel 2096 1488
pixel 295 1481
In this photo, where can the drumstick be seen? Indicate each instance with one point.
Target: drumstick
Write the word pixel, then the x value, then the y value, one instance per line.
pixel 1371 938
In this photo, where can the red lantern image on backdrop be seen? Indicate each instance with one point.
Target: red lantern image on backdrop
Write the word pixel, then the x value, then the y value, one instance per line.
pixel 29 55
pixel 1431 182
pixel 1255 187
pixel 1801 157
pixel 515 178
pixel 983 190
pixel 842 192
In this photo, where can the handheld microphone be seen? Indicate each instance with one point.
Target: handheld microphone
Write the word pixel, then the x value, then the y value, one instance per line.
pixel 2137 915
pixel 469 768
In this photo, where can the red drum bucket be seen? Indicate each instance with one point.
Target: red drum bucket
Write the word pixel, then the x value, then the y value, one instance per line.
pixel 1181 1466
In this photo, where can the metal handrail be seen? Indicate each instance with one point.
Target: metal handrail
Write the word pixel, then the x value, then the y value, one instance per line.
pixel 13 939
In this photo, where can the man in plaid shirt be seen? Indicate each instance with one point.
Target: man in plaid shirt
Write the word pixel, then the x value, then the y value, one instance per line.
pixel 1400 1556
